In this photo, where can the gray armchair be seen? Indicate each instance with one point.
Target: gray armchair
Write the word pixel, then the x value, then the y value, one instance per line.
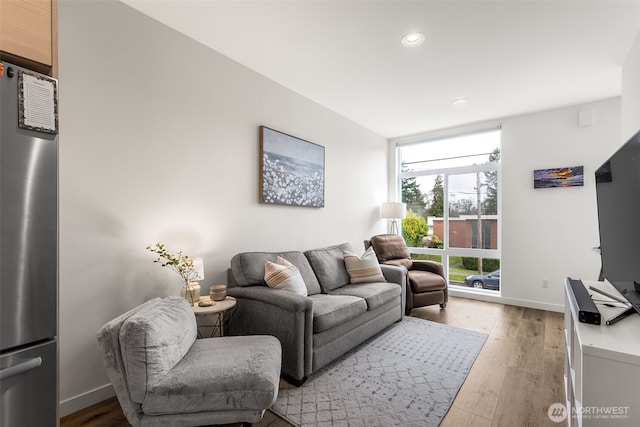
pixel 163 375
pixel 426 283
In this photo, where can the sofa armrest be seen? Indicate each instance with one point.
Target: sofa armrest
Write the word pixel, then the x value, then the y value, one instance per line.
pixel 395 274
pixel 432 266
pixel 287 316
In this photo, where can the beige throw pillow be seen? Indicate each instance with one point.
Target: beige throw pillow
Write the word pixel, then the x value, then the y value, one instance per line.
pixel 284 275
pixel 364 269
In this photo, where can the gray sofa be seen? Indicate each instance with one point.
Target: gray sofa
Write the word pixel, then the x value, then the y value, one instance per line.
pixel 315 329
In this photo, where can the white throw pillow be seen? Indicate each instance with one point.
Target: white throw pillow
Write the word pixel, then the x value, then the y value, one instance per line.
pixel 364 269
pixel 284 275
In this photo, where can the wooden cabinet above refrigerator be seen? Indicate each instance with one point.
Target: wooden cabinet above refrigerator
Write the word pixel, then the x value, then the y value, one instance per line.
pixel 28 33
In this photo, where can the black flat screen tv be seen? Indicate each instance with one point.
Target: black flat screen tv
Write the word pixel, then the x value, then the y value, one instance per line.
pixel 618 196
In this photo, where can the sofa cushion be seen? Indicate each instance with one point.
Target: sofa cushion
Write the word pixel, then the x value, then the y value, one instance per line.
pixel 375 294
pixel 333 310
pixel 328 264
pixel 248 268
pixel 364 269
pixel 284 275
pixel 220 374
pixel 153 341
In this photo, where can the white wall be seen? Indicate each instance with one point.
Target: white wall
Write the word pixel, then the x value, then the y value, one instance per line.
pixel 159 142
pixel 631 91
pixel 549 233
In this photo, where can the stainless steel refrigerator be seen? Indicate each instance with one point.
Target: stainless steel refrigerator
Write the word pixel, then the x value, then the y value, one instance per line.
pixel 28 248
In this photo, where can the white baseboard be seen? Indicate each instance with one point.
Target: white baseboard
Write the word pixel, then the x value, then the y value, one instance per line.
pixel 484 296
pixel 84 400
pixel 534 304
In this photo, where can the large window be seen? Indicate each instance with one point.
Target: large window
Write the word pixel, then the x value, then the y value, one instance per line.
pixel 452 190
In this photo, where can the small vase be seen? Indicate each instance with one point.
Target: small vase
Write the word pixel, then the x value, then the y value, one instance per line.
pixel 191 292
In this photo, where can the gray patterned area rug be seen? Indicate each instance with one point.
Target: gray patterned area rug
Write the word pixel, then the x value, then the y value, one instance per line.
pixel 408 375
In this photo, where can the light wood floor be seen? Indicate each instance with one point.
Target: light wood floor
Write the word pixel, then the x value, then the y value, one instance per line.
pixel 516 377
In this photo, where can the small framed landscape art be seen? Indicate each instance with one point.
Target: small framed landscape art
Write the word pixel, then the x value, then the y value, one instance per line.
pixel 559 177
pixel 291 170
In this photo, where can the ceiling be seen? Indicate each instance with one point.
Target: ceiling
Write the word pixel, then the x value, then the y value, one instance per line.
pixel 506 57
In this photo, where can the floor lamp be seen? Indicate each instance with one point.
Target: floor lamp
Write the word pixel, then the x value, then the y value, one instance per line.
pixel 393 211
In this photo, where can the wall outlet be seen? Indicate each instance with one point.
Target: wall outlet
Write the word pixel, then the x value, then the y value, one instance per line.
pixel 545 283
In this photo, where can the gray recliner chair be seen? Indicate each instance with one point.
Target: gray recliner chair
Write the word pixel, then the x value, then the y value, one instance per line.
pixel 163 375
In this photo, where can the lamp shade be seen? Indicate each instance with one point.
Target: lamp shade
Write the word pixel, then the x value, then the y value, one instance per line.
pixel 198 266
pixel 393 210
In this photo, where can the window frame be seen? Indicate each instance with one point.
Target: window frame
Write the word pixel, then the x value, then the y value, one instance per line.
pixel 448 251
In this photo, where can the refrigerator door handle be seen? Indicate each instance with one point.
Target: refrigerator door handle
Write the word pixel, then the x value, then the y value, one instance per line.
pixel 20 368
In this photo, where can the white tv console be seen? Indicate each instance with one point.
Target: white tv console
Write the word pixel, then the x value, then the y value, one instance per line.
pixel 602 365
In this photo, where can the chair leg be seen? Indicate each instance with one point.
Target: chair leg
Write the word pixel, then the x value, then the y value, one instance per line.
pixel 443 305
pixel 407 311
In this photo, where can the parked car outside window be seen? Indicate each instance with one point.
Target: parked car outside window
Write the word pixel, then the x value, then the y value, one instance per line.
pixel 484 281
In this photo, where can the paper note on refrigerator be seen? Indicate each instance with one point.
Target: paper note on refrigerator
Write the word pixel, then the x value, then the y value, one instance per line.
pixel 39 102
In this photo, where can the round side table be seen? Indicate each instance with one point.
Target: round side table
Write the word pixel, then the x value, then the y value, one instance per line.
pixel 213 317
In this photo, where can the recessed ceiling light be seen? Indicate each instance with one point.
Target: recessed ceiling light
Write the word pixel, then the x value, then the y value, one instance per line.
pixel 413 39
pixel 459 101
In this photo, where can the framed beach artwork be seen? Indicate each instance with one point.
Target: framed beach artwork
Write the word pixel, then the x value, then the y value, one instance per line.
pixel 291 170
pixel 559 177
